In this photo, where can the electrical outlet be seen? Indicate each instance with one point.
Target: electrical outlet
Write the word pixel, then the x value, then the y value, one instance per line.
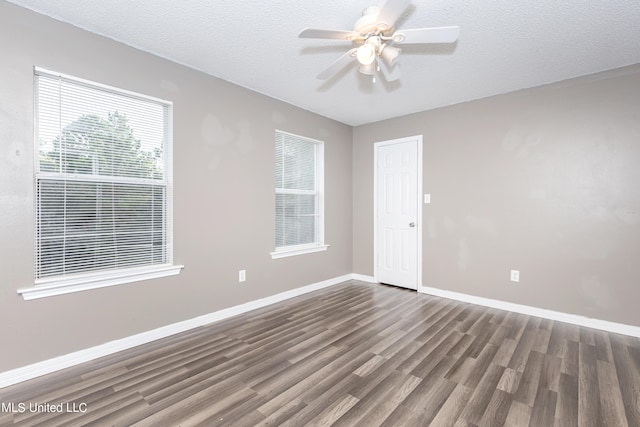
pixel 515 275
pixel 242 275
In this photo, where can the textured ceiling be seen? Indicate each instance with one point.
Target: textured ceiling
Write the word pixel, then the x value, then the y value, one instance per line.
pixel 504 45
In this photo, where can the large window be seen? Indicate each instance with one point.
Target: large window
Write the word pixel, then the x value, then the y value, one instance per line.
pixel 299 195
pixel 103 196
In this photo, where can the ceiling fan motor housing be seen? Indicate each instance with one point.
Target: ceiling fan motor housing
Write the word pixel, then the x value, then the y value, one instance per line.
pixel 368 23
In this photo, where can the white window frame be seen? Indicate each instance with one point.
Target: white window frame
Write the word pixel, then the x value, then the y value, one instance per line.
pixel 319 244
pixel 57 285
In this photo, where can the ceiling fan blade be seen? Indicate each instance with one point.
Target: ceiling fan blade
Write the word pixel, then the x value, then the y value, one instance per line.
pixel 389 75
pixel 390 12
pixel 338 64
pixel 316 33
pixel 428 35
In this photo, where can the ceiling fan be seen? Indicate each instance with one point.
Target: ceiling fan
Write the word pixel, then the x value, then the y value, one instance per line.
pixel 376 36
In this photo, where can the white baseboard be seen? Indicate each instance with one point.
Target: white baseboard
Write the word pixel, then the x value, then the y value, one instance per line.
pixel 363 278
pixel 618 328
pixel 28 372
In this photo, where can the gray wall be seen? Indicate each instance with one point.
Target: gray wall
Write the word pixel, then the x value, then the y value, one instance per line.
pixel 545 181
pixel 224 196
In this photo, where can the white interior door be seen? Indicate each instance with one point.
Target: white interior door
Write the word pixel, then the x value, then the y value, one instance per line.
pixel 398 211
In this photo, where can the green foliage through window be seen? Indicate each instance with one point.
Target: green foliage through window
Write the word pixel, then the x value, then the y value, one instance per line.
pixel 101 146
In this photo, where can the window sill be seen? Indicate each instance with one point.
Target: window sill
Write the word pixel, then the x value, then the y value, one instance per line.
pixel 298 251
pixel 51 287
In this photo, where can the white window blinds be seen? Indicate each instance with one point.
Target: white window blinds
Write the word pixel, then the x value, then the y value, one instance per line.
pixel 103 189
pixel 298 173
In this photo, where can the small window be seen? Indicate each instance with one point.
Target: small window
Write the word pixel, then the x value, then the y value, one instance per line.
pixel 103 196
pixel 299 195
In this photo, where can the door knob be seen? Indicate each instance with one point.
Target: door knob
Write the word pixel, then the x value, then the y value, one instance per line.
pixel 412 224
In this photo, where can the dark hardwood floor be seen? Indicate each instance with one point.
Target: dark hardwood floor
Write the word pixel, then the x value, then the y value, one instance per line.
pixel 355 354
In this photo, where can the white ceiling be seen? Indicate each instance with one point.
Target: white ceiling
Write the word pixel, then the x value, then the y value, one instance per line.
pixel 504 45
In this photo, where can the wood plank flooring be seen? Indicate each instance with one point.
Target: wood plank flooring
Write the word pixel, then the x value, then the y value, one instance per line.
pixel 355 354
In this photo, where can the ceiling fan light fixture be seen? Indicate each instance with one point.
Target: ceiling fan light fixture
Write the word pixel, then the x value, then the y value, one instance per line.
pixel 366 54
pixel 390 54
pixel 367 69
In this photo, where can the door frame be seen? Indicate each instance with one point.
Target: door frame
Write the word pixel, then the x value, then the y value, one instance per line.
pixel 376 145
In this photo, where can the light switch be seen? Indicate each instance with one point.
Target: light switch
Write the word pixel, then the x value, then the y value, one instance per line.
pixel 427 198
